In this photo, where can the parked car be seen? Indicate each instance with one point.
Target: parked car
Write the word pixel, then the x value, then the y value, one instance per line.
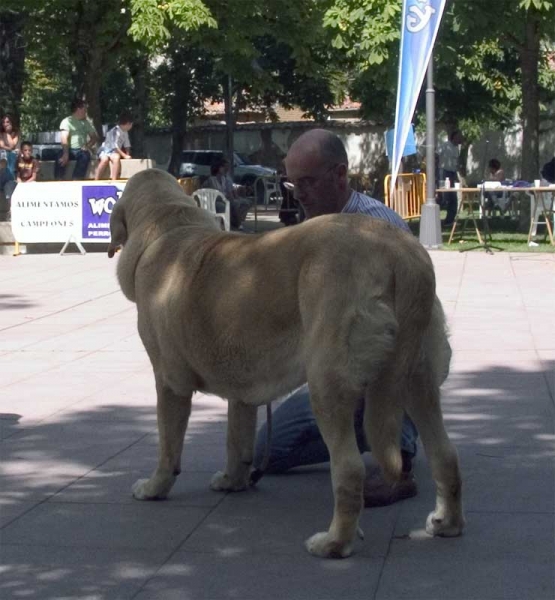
pixel 197 163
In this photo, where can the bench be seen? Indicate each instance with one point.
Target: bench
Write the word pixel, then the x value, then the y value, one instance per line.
pixel 129 167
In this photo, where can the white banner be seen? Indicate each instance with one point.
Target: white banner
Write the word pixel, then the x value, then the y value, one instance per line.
pixel 53 211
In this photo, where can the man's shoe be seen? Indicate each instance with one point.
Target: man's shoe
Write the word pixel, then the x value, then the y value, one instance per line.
pixel 377 492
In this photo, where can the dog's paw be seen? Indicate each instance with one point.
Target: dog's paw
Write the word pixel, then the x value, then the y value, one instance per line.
pixel 320 544
pixel 145 489
pixel 221 482
pixel 438 524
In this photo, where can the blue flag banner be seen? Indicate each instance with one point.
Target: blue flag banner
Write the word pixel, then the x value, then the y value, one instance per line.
pixel 419 26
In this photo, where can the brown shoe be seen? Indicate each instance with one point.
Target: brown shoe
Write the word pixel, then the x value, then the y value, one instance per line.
pixel 377 492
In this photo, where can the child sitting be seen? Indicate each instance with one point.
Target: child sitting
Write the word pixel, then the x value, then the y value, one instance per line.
pixel 27 166
pixel 115 147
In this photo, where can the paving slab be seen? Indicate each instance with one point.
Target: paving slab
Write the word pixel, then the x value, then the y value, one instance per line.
pixel 493 561
pixel 40 572
pixel 193 576
pixel 78 427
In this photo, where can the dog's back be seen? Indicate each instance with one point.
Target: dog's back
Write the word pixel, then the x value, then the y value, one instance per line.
pixel 258 300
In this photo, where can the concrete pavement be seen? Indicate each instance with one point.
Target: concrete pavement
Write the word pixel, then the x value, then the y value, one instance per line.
pixel 78 427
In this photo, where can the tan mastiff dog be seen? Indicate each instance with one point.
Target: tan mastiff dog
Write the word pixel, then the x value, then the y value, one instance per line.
pixel 344 302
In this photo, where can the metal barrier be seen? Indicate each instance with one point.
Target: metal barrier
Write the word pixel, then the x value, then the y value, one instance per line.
pixel 189 184
pixel 409 194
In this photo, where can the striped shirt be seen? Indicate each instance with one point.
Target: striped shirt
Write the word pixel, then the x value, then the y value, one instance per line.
pixel 361 204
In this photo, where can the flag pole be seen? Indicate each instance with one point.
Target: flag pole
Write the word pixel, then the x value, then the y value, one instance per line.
pixel 430 224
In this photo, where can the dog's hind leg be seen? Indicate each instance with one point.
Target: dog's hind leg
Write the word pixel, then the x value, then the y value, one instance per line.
pixel 423 407
pixel 383 421
pixel 173 413
pixel 241 430
pixel 334 416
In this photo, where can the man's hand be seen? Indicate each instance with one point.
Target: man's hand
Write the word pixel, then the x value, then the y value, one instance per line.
pixel 64 159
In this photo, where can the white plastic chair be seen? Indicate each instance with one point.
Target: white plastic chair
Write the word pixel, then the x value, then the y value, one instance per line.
pixel 542 204
pixel 501 201
pixel 206 198
pixel 271 190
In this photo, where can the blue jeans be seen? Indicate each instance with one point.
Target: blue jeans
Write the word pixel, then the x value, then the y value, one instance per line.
pixel 82 160
pixel 450 198
pixel 296 439
pixel 11 157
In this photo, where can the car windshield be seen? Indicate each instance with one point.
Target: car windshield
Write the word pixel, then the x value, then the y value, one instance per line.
pixel 242 159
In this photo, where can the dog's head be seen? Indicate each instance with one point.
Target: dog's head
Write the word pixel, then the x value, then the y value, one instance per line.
pixel 142 191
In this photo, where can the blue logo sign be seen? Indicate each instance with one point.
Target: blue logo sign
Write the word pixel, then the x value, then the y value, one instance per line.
pixel 97 204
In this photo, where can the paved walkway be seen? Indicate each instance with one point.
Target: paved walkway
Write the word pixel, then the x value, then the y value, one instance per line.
pixel 78 426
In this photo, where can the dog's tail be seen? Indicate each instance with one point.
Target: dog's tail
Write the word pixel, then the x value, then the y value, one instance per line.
pixel 373 342
pixel 413 301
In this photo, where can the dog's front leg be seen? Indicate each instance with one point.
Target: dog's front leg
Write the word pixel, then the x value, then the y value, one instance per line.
pixel 335 420
pixel 241 429
pixel 173 413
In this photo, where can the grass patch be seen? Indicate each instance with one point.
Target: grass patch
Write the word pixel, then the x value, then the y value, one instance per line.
pixel 504 233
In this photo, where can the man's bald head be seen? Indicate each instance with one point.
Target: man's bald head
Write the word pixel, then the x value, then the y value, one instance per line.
pixel 318 142
pixel 317 165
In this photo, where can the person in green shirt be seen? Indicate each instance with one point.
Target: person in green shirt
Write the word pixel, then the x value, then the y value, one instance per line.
pixel 78 140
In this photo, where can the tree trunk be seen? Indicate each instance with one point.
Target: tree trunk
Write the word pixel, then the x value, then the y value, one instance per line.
pixel 138 68
pixel 12 59
pixel 529 59
pixel 91 88
pixel 180 108
pixel 95 35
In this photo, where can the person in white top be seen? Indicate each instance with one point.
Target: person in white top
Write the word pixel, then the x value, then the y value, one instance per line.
pixel 449 165
pixel 115 147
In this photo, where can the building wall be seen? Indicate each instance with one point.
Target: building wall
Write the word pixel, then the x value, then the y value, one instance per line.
pixel 364 143
pixel 507 148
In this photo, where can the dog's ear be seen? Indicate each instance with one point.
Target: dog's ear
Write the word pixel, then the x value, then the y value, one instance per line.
pixel 118 229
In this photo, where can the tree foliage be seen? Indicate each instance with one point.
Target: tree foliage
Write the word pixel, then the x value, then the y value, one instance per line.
pixel 12 59
pixel 163 58
pixel 266 49
pixel 154 22
pixel 491 62
pixel 366 30
pixel 520 43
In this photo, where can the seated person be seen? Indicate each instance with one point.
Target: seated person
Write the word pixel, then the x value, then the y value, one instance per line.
pixel 9 140
pixel 115 147
pixel 220 180
pixel 496 173
pixel 27 166
pixel 26 170
pixel 496 199
pixel 78 139
pixel 7 185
